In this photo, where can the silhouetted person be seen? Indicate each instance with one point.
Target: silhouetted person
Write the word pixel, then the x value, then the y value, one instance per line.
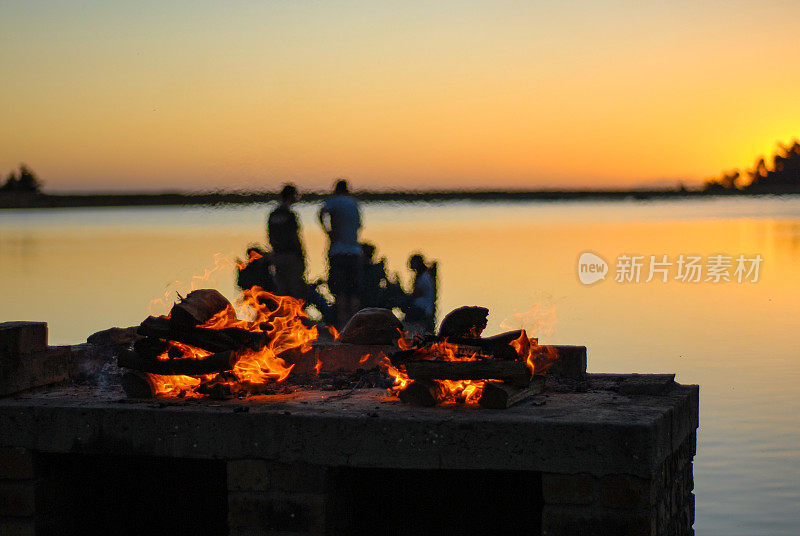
pixel 376 288
pixel 423 295
pixel 341 219
pixel 283 231
pixel 258 272
pixel 373 278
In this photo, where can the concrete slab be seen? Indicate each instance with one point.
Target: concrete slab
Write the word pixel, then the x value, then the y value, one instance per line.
pixel 597 432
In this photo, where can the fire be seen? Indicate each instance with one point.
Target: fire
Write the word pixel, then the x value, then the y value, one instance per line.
pixel 278 318
pixel 538 358
pixel 462 391
pixel 176 386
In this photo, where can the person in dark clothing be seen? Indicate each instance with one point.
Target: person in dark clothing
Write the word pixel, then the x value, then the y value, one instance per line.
pixel 257 272
pixel 288 256
pixel 421 302
pixel 373 281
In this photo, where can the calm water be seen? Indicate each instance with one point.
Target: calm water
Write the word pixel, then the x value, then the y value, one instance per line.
pixel 86 270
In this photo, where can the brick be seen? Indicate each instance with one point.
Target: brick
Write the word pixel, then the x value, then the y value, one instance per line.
pixel 17 498
pixel 17 526
pixel 561 520
pixel 569 489
pixel 571 362
pixel 35 370
pixel 22 338
pixel 297 477
pixel 626 491
pixel 248 475
pixel 16 463
pixel 293 512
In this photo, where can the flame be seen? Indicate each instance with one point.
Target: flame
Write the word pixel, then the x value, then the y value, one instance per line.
pixel 463 391
pixel 279 318
pixel 334 332
pixel 318 366
pixel 364 358
pixel 538 358
pixel 175 386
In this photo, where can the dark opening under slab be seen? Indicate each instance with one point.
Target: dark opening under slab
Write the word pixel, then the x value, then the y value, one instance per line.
pixel 415 501
pixel 130 495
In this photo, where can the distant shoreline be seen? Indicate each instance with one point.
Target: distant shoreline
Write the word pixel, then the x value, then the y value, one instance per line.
pixel 28 201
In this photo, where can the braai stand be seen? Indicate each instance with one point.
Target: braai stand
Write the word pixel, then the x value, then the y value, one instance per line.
pixel 613 455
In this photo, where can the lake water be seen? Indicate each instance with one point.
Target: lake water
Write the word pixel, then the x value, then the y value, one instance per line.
pixel 83 270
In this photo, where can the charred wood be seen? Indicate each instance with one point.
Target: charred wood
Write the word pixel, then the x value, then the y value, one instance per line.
pixel 497 395
pixel 150 347
pixel 138 385
pixel 218 362
pixel 464 322
pixel 198 307
pixel 426 393
pixel 212 340
pixel 515 372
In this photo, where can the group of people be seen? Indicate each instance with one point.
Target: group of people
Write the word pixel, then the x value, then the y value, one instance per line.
pixel 355 279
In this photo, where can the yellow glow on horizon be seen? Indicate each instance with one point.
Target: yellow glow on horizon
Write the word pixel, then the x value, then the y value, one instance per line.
pixel 468 95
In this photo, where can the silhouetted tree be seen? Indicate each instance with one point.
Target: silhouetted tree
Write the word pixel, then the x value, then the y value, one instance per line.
pixel 782 176
pixel 25 181
pixel 11 183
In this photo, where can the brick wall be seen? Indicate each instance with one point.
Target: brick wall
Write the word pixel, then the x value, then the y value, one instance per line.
pixel 270 498
pixel 17 492
pixel 623 504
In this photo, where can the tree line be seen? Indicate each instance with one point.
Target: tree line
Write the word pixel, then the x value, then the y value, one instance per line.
pixel 779 174
pixel 23 180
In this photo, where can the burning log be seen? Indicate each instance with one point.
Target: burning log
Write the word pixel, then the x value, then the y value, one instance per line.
pixel 464 322
pixel 218 362
pixel 514 372
pixel 425 393
pixel 498 395
pixel 138 385
pixel 150 347
pixel 198 307
pixel 212 340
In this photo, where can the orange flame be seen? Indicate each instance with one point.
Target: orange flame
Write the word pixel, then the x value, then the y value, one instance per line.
pixel 279 318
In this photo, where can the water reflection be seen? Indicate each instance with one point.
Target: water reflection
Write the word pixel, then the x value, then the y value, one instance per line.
pixel 83 271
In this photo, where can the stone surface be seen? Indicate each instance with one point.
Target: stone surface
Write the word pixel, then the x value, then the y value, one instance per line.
pixel 291 512
pixel 372 326
pixel 581 488
pixel 588 521
pixel 21 338
pixel 571 362
pixel 44 367
pixel 600 432
pixel 17 526
pixel 17 498
pixel 15 463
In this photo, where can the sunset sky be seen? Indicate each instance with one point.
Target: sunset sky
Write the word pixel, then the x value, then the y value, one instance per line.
pixel 201 95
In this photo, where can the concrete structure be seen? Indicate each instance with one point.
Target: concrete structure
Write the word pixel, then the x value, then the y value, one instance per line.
pixel 611 454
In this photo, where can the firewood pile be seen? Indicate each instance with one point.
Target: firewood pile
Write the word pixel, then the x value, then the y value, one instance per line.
pixel 183 344
pixel 202 345
pixel 499 370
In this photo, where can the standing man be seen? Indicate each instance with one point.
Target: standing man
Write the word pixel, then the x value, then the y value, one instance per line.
pixel 283 232
pixel 341 219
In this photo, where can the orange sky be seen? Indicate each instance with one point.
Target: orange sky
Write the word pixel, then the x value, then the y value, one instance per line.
pixel 394 95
